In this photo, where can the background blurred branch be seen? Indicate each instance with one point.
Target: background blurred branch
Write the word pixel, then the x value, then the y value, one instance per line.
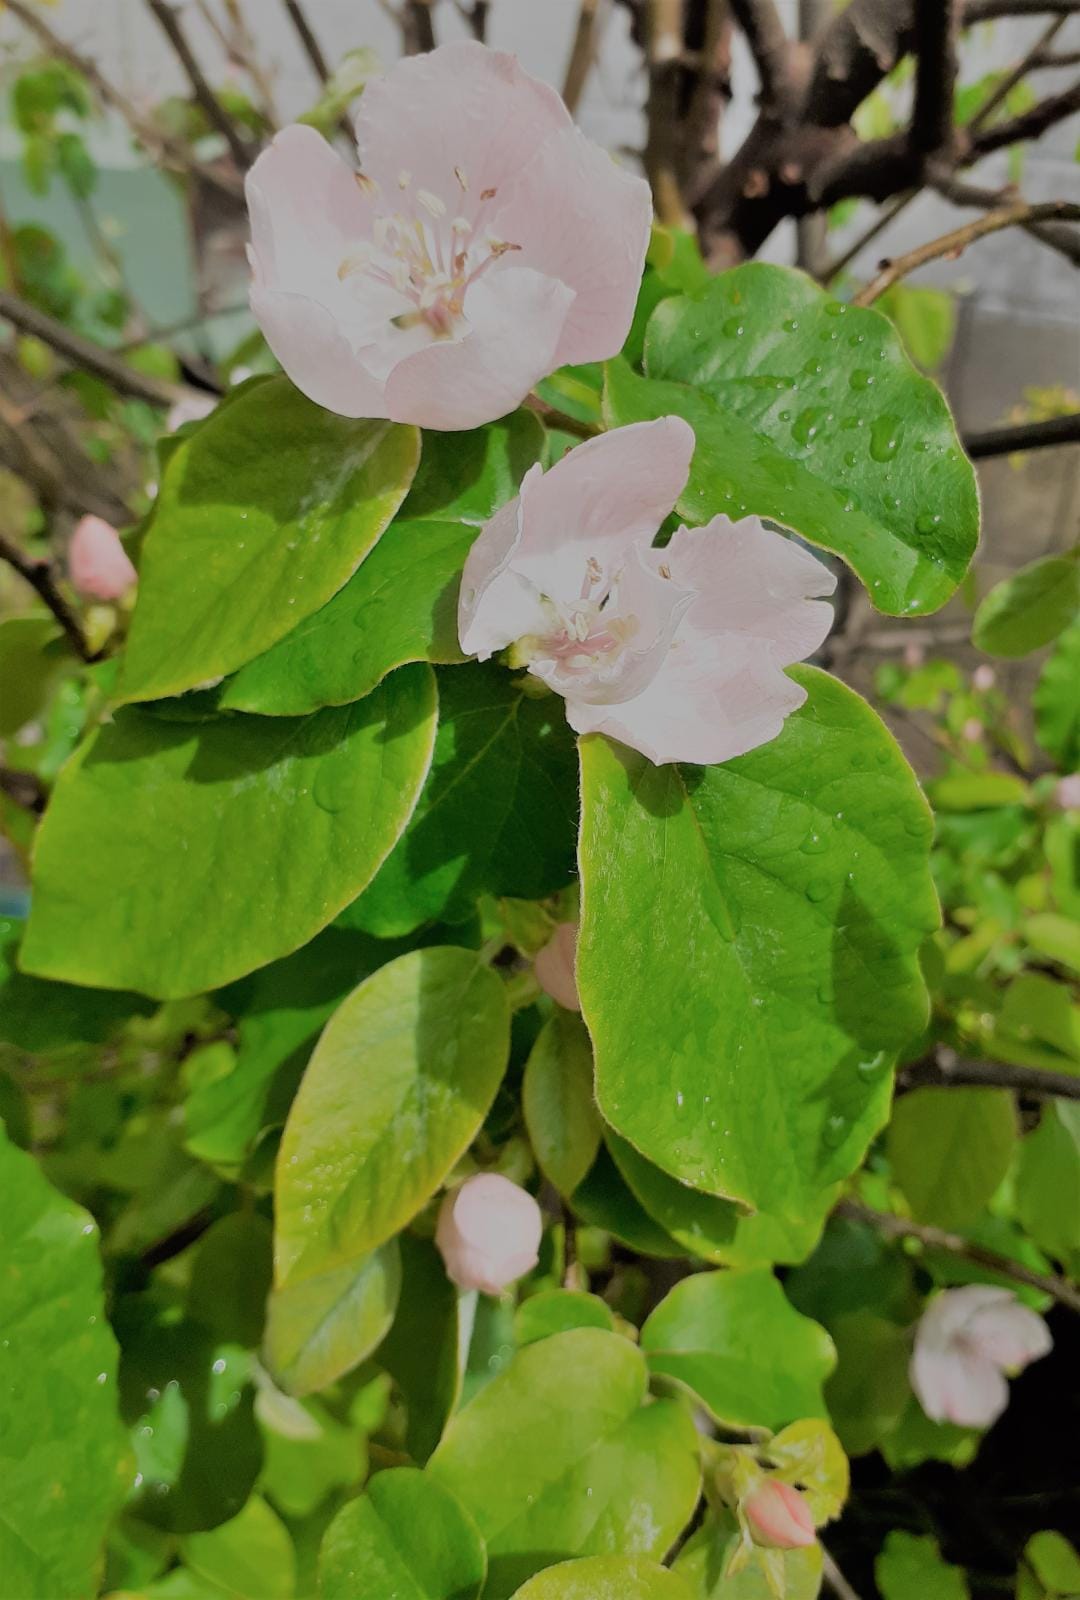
pixel 311 45
pixel 215 112
pixel 42 578
pixel 1024 436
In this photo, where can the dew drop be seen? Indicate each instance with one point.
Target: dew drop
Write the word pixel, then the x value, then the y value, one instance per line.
pixel 860 379
pixel 817 889
pixel 733 328
pixel 871 1068
pixel 791 325
pixel 814 845
pixel 884 437
pixel 834 1131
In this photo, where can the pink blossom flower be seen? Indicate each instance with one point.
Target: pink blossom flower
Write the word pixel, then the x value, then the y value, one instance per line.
pixel 1067 793
pixel 488 1233
pixel 192 408
pixel 779 1517
pixel 98 564
pixel 966 1341
pixel 486 242
pixel 984 678
pixel 677 652
pixel 554 966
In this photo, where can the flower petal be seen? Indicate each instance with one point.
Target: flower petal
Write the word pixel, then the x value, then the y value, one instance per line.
pixel 584 220
pixel 496 605
pixel 1010 1335
pixel 958 1388
pixel 462 106
pixel 306 210
pixel 318 358
pixel 601 499
pixel 516 318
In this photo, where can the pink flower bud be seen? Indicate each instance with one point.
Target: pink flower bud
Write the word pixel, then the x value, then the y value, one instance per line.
pixel 554 966
pixel 779 1517
pixel 914 656
pixel 98 564
pixel 1067 793
pixel 488 1233
pixel 984 678
pixel 972 730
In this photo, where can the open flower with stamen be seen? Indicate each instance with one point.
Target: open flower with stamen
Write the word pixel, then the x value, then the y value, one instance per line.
pixel 677 652
pixel 484 242
pixel 966 1341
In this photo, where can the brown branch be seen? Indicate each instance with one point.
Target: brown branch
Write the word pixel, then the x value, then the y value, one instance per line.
pixel 1024 436
pixel 1058 236
pixel 25 789
pixel 84 353
pixel 770 47
pixel 417 27
pixel 663 53
pixel 944 1069
pixel 582 54
pixel 834 1578
pixel 1045 59
pixel 1029 125
pixel 170 152
pixel 41 576
pixel 954 1244
pixel 200 88
pixel 952 244
pixel 936 25
pixel 552 417
pixel 307 39
pixel 991 10
pixel 476 16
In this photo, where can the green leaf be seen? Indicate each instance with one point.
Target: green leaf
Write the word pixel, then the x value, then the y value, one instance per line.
pixel 423 1352
pixel 498 814
pixel 1048 1180
pixel 1054 1562
pixel 250 1557
pixel 557 1311
pixel 396 1090
pixel 711 1227
pixel 603 1200
pixel 748 954
pixel 406 1538
pixel 808 411
pixel 1055 936
pixel 262 514
pixel 466 477
pixel 979 791
pixel 1057 704
pixel 869 1392
pixel 37 1015
pixel 737 1343
pixel 28 668
pixel 399 606
pixel 1031 608
pixel 924 318
pixel 950 1148
pixel 160 862
pixel 605 1578
pixel 557 1101
pixel 322 1327
pixel 62 1456
pixel 910 1567
pixel 703 1565
pixel 230 1278
pixel 558 1457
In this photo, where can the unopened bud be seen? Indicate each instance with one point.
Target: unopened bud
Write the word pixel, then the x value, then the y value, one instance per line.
pixel 488 1233
pixel 779 1517
pixel 98 564
pixel 554 966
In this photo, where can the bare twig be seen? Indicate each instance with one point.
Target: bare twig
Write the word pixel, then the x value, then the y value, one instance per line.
pixel 835 1578
pixel 582 54
pixel 944 1069
pixel 991 10
pixel 951 244
pixel 24 788
pixel 216 114
pixel 86 354
pixel 663 52
pixel 1029 125
pixel 1024 436
pixel 936 24
pixel 311 45
pixel 417 27
pixel 770 48
pixel 1045 59
pixel 170 152
pixel 476 16
pixel 552 417
pixel 954 1244
pixel 1059 236
pixel 41 576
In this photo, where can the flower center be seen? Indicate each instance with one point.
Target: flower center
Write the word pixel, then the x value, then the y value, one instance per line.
pixel 586 636
pixel 428 256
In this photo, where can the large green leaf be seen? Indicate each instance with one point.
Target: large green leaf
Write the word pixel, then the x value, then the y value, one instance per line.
pixel 1048 1180
pixel 424 1351
pixel 748 953
pixel 1057 704
pixel 325 1325
pixel 399 606
pixel 263 513
pixel 911 1567
pixel 250 1557
pixel 466 477
pixel 398 1086
pixel 63 1459
pixel 558 1456
pixel 176 855
pixel 809 412
pixel 498 813
pixel 605 1578
pixel 738 1344
pixel 1028 610
pixel 406 1538
pixel 950 1148
pixel 38 1015
pixel 557 1101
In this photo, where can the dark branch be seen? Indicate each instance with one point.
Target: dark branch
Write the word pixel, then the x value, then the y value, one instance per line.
pixel 770 48
pixel 86 354
pixel 24 788
pixel 935 76
pixel 1060 237
pixel 945 1069
pixel 204 95
pixel 417 27
pixel 1029 125
pixel 307 39
pixel 582 53
pixel 991 10
pixel 41 576
pixel 1024 436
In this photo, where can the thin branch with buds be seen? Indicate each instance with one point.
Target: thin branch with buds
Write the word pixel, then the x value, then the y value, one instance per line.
pixel 42 578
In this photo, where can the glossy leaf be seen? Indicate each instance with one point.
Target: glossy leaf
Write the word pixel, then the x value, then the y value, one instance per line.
pixel 498 813
pixel 558 1456
pixel 63 1459
pixel 605 1578
pixel 324 1326
pixel 396 1090
pixel 910 1567
pixel 250 1557
pixel 1057 704
pixel 405 1538
pixel 748 954
pixel 704 1561
pixel 558 1103
pixel 160 863
pixel 1048 1180
pixel 557 1311
pixel 737 1343
pixel 809 412
pixel 466 477
pixel 1031 608
pixel 424 1350
pixel 950 1148
pixel 603 1200
pixel 262 514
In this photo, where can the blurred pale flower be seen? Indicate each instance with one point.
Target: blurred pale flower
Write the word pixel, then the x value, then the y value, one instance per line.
pixel 488 1233
pixel 677 652
pixel 1067 793
pixel 485 243
pixel 966 1341
pixel 192 408
pixel 98 564
pixel 779 1516
pixel 554 966
pixel 984 677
